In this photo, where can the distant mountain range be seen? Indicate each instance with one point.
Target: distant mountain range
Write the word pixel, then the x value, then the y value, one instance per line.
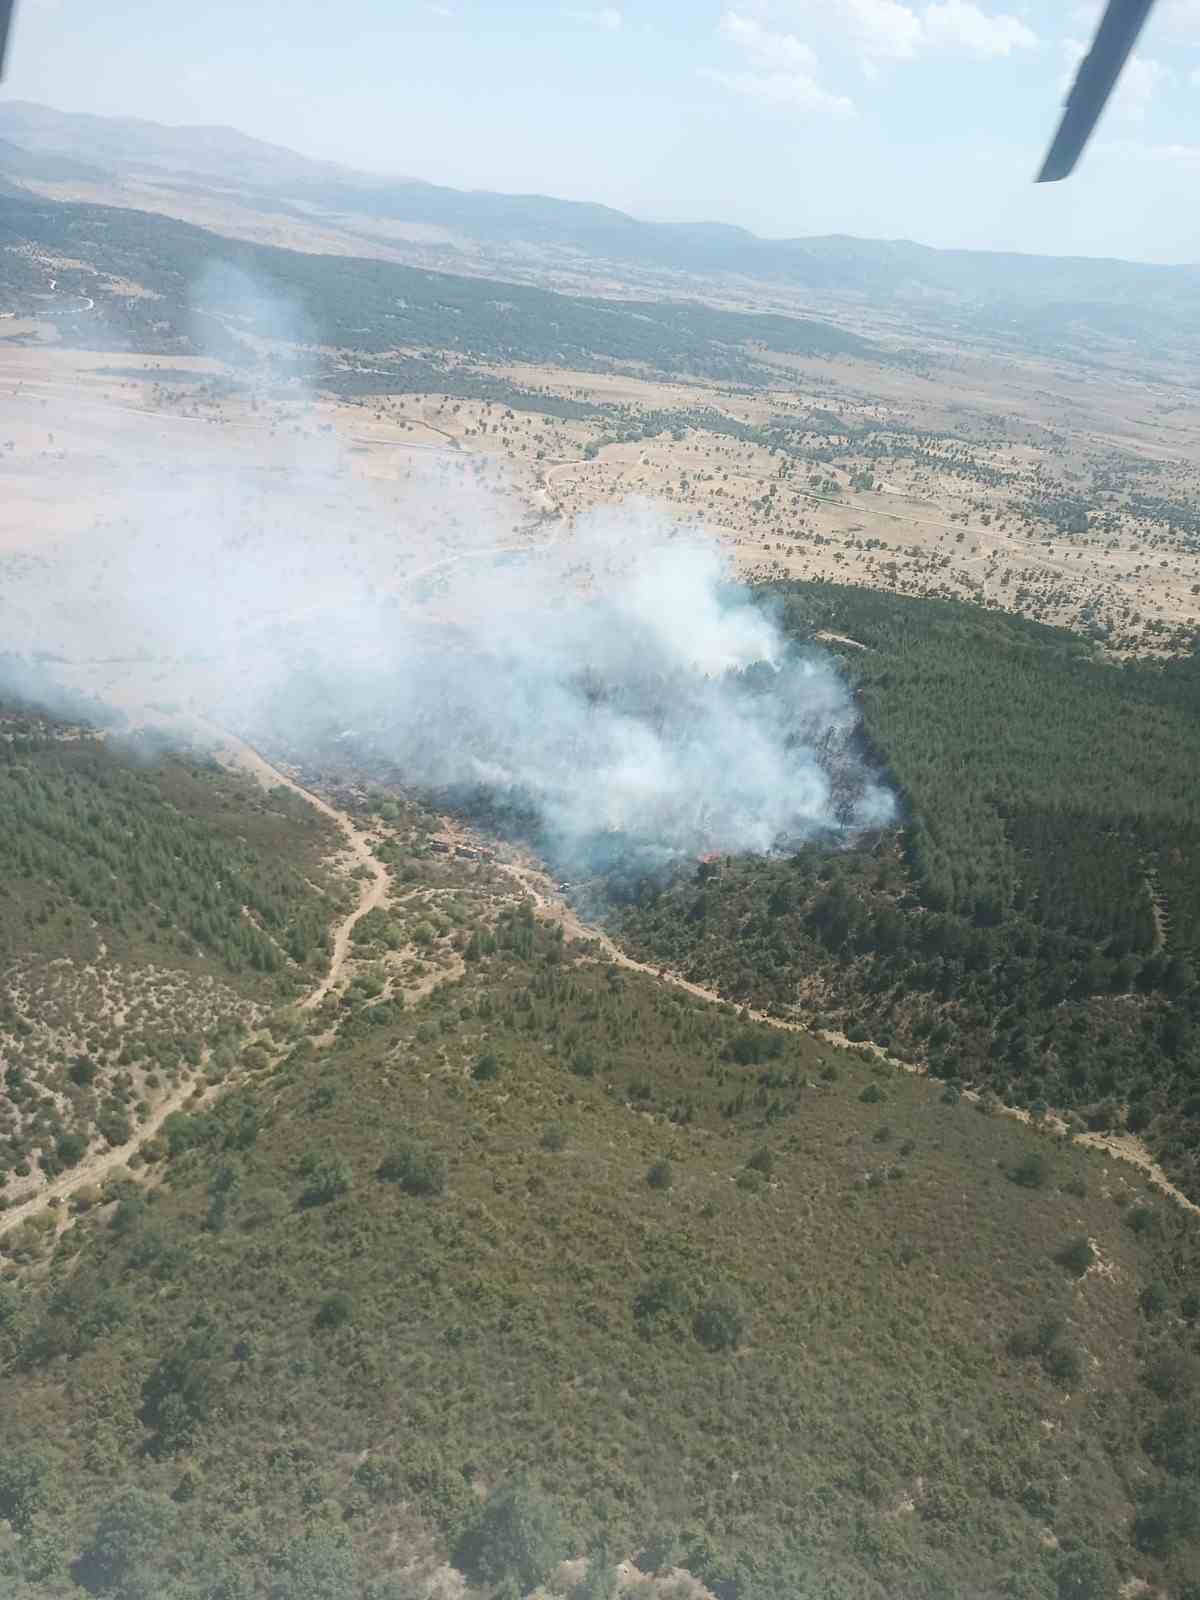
pixel 1077 306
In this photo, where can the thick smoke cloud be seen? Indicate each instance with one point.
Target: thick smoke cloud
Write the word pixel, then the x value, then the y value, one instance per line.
pixel 609 679
pixel 666 707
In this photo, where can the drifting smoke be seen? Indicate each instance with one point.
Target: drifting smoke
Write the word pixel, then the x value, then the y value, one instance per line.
pixel 667 709
pixel 607 679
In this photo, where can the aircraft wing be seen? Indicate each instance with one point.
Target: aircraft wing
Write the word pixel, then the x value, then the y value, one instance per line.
pixel 1094 82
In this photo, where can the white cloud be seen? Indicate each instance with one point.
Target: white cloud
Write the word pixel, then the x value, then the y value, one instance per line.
pixel 783 69
pixel 879 30
pixel 765 49
pixel 780 67
pixel 605 17
pixel 962 25
pixel 890 30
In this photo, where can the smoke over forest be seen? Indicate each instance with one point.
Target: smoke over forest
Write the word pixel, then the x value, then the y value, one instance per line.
pixel 664 707
pixel 606 679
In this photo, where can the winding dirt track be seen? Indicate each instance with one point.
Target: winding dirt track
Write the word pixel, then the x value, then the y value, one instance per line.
pixel 235 753
pixel 95 1168
pixel 549 905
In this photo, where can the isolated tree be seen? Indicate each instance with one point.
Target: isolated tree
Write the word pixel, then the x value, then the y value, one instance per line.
pixel 320 1566
pixel 1076 1255
pixel 516 1536
pixel 327 1180
pixel 720 1322
pixel 132 1527
pixel 334 1311
pixel 1084 1574
pixel 416 1168
pixel 1032 1171
pixel 25 1485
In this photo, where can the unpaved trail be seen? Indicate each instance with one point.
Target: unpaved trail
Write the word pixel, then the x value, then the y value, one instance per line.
pixel 93 1169
pixel 550 905
pixel 544 486
pixel 237 753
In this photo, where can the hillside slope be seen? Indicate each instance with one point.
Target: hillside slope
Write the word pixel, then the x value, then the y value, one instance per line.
pixel 560 1259
pixel 1012 300
pixel 1031 925
pixel 195 299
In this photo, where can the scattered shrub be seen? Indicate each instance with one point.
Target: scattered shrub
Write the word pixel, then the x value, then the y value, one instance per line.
pixel 1166 1517
pixel 25 1487
pixel 327 1180
pixel 82 1071
pixel 334 1311
pixel 719 1323
pixel 133 1527
pixel 70 1148
pixel 1064 1364
pixel 1083 1574
pixel 1169 1374
pixel 516 1537
pixel 416 1168
pixel 1076 1255
pixel 1032 1171
pixel 1154 1299
pixel 319 1566
pixel 1141 1219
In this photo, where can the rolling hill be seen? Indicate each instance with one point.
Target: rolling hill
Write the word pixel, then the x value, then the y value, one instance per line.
pixel 559 1261
pixel 1009 300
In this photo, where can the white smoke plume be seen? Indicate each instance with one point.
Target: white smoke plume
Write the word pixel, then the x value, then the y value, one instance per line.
pixel 609 678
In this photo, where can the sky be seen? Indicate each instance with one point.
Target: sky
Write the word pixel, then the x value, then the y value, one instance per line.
pixel 916 119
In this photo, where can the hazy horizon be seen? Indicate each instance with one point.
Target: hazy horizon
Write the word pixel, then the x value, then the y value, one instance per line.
pixel 874 118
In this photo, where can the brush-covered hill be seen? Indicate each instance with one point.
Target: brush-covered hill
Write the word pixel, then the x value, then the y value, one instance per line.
pixel 1031 925
pixel 193 298
pixel 153 910
pixel 559 1260
pixel 1078 306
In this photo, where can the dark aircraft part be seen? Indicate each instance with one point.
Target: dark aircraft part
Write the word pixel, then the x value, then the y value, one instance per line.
pixel 6 11
pixel 1094 82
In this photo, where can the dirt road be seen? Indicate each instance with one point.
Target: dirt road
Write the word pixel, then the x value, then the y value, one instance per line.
pixel 95 1168
pixel 236 753
pixel 550 905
